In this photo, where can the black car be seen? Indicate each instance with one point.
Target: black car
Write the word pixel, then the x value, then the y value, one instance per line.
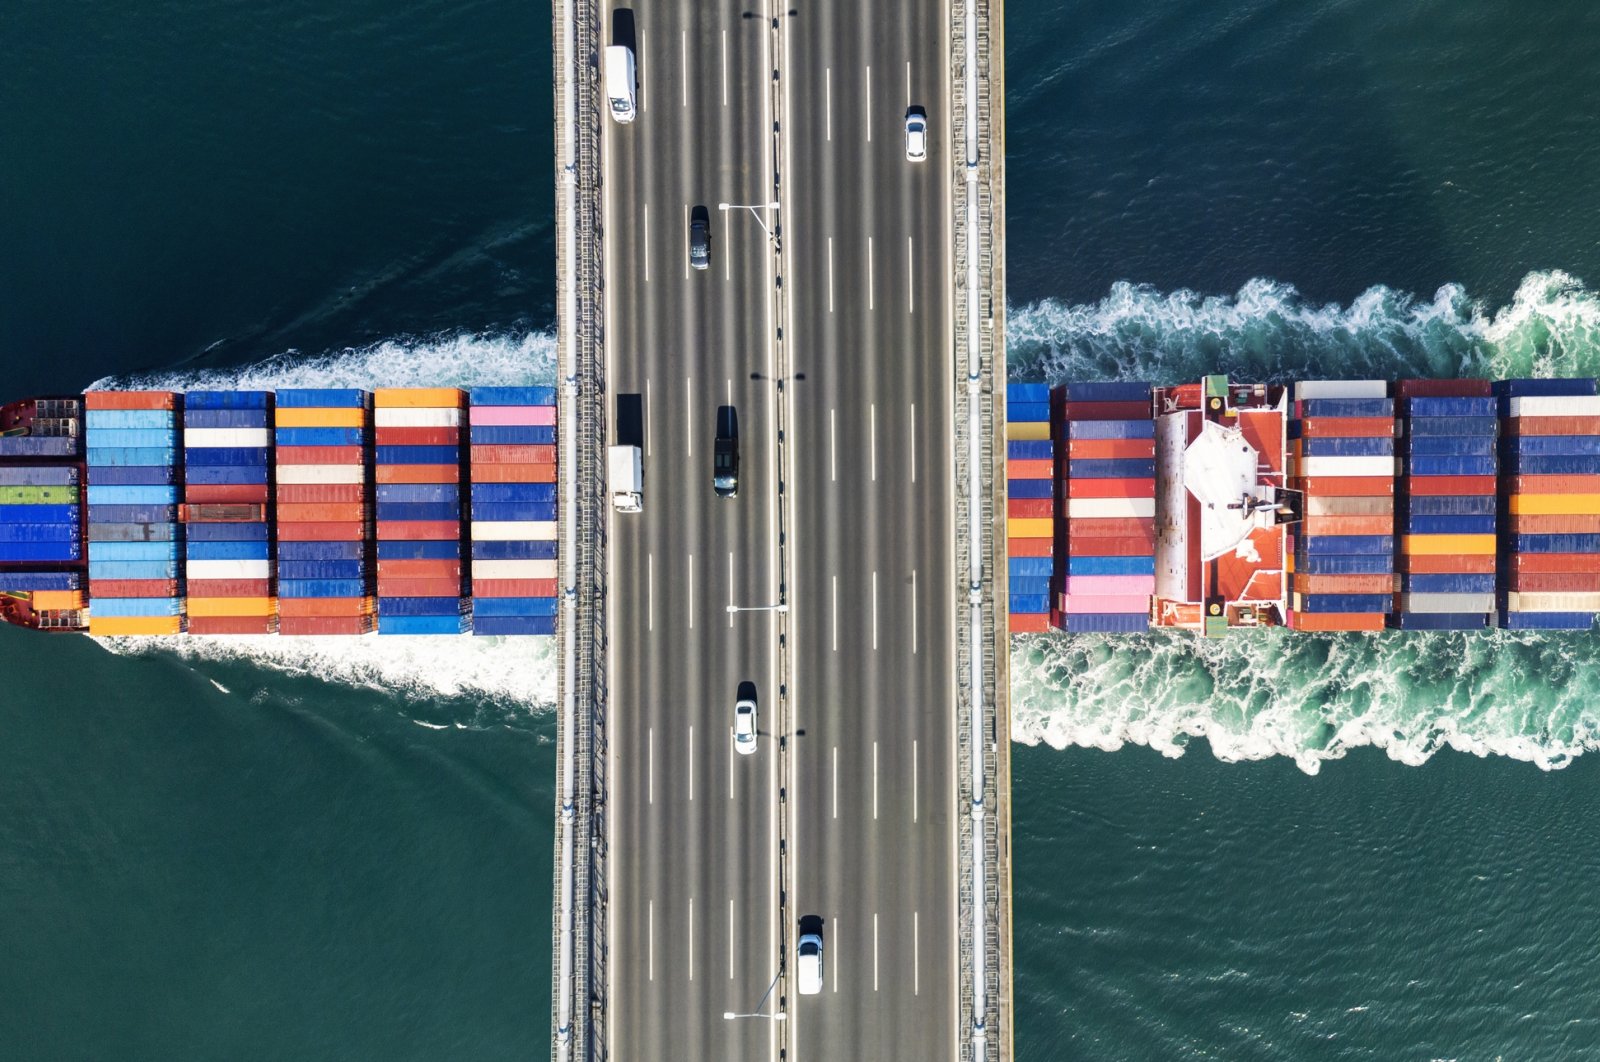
pixel 700 238
pixel 725 454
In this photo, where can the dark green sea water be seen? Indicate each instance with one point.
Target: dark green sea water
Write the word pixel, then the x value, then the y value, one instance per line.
pixel 1302 848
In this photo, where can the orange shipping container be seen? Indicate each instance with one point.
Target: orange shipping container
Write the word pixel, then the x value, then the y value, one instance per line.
pixel 1553 485
pixel 291 417
pixel 320 493
pixel 419 398
pixel 130 400
pixel 394 586
pixel 430 569
pixel 513 473
pixel 1111 488
pixel 1113 527
pixel 1343 584
pixel 514 588
pixel 113 626
pixel 344 531
pixel 1028 508
pixel 1347 427
pixel 1452 486
pixel 325 626
pixel 418 530
pixel 326 606
pixel 1110 449
pixel 226 493
pixel 1551 425
pixel 309 512
pixel 230 588
pixel 1348 486
pixel 229 606
pixel 1554 562
pixel 51 600
pixel 417 436
pixel 1578 524
pixel 232 625
pixel 1348 525
pixel 1338 621
pixel 417 474
pixel 1035 468
pixel 514 455
pixel 1028 622
pixel 1446 565
pixel 321 455
pixel 1030 547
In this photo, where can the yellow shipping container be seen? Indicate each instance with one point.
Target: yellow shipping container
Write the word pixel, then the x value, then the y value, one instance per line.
pixel 1555 504
pixel 1445 545
pixel 1028 429
pixel 321 418
pixel 57 599
pixel 121 626
pixel 233 606
pixel 419 398
pixel 1031 527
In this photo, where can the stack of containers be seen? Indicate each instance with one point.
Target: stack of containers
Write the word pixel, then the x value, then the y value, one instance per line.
pixel 1030 506
pixel 39 518
pixel 1110 493
pixel 1342 443
pixel 56 598
pixel 1447 505
pixel 514 524
pixel 134 534
pixel 227 456
pixel 324 511
pixel 420 571
pixel 1551 544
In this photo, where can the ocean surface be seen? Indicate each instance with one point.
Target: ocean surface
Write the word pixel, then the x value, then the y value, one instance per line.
pixel 1275 847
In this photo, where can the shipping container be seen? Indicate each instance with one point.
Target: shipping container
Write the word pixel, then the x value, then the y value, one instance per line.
pixel 1452 427
pixel 1443 388
pixel 1106 623
pixel 1304 389
pixel 1016 489
pixel 1111 429
pixel 1347 428
pixel 1554 582
pixel 1111 488
pixel 133 626
pixel 1463 446
pixel 1552 406
pixel 1381 583
pixel 1347 407
pixel 1536 387
pixel 482 588
pixel 1114 508
pixel 1553 504
pixel 1517 427
pixel 425 473
pixel 1336 622
pixel 342 531
pixel 1347 603
pixel 313 417
pixel 529 625
pixel 318 436
pixel 1446 603
pixel 1101 603
pixel 1446 563
pixel 392 530
pixel 1546 621
pixel 1015 392
pixel 417 397
pixel 1451 485
pixel 322 398
pixel 1380 486
pixel 1448 465
pixel 1568 601
pixel 1145 565
pixel 545 549
pixel 1350 447
pixel 324 625
pixel 1441 621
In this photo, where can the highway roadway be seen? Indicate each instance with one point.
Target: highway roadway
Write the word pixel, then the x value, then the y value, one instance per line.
pixel 695 929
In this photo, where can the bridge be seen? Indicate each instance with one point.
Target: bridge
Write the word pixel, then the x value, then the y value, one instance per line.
pixel 847 330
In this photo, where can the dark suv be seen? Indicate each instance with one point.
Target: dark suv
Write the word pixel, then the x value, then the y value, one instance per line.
pixel 725 454
pixel 700 238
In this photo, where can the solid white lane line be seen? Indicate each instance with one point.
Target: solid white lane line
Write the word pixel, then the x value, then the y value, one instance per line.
pixel 691 761
pixel 913 442
pixel 916 953
pixel 650 767
pixel 691 591
pixel 647 416
pixel 908 84
pixel 725 68
pixel 686 241
pixel 833 446
pixel 874 779
pixel 647 243
pixel 691 938
pixel 688 383
pixel 830 274
pixel 868 99
pixel 870 284
pixel 874 610
pixel 836 781
pixel 872 437
pixel 827 100
pixel 650 591
pixel 913 612
pixel 730 940
pixel 727 237
pixel 911 277
pixel 836 965
pixel 650 936
pixel 730 586
pixel 683 69
pixel 874 951
pixel 836 613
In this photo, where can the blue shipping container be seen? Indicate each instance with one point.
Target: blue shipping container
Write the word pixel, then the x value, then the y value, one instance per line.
pixel 514 625
pixel 102 607
pixel 94 419
pixel 227 400
pixel 1362 603
pixel 318 436
pixel 323 398
pixel 1486 406
pixel 1321 545
pixel 1112 468
pixel 127 438
pixel 1112 565
pixel 226 532
pixel 227 418
pixel 429 550
pixel 1109 391
pixel 517 492
pixel 419 511
pixel 227 456
pixel 321 569
pixel 1489 426
pixel 99 495
pixel 1417 524
pixel 514 511
pixel 134 477
pixel 313 588
pixel 1027 392
pixel 512 396
pixel 1030 449
pixel 1445 465
pixel 1106 622
pixel 417 455
pixel 514 606
pixel 133 551
pixel 132 514
pixel 38 476
pixel 1462 445
pixel 1030 489
pixel 1028 412
pixel 1447 584
pixel 1546 621
pixel 419 492
pixel 322 551
pixel 1345 564
pixel 1347 407
pixel 503 549
pixel 1111 429
pixel 421 624
pixel 1524 388
pixel 228 550
pixel 1445 505
pixel 129 457
pixel 1587 543
pixel 10 533
pixel 1542 465
pixel 1324 446
pixel 15 552
pixel 150 569
pixel 1035 567
pixel 419 606
pixel 223 475
pixel 1030 604
pixel 512 435
pixel 1553 445
pixel 38 514
pixel 38 446
pixel 26 582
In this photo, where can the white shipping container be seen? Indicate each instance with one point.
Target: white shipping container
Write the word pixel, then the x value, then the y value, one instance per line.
pixel 1556 406
pixel 514 569
pixel 321 474
pixel 253 437
pixel 229 569
pixel 1341 389
pixel 1555 601
pixel 1347 466
pixel 513 530
pixel 398 417
pixel 1350 506
pixel 1446 603
pixel 1110 508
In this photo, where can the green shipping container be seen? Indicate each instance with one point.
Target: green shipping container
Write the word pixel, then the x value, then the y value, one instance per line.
pixel 38 495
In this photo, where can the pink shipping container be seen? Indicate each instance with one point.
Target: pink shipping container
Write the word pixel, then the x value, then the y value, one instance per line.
pixel 1092 603
pixel 514 416
pixel 1111 584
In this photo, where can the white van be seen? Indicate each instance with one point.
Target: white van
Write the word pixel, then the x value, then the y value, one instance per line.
pixel 620 82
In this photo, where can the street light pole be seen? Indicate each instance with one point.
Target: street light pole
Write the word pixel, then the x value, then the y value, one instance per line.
pixel 729 1015
pixel 755 211
pixel 758 608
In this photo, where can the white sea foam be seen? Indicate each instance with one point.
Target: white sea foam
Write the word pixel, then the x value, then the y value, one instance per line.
pixel 1278 693
pixel 513 671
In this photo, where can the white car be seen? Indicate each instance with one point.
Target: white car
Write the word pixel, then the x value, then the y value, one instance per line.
pixel 810 964
pixel 744 727
pixel 916 134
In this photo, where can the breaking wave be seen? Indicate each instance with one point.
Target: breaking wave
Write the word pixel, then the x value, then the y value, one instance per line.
pixel 520 672
pixel 1311 697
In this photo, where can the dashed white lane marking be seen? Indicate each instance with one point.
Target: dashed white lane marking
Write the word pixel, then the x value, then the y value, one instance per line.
pixel 827 101
pixel 691 762
pixel 683 56
pixel 874 610
pixel 691 591
pixel 650 769
pixel 647 243
pixel 874 779
pixel 830 274
pixel 870 284
pixel 650 937
pixel 836 613
pixel 836 781
pixel 911 278
pixel 868 101
pixel 650 591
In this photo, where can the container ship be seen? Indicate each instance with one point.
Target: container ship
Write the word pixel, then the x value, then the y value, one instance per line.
pixel 320 511
pixel 1323 505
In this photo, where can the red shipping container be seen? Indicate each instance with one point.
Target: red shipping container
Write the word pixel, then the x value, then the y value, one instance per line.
pixel 427 569
pixel 513 455
pixel 320 494
pixel 1111 547
pixel 321 455
pixel 1547 563
pixel 1347 427
pixel 344 531
pixel 1030 547
pixel 1348 525
pixel 1476 564
pixel 325 625
pixel 547 473
pixel 1343 584
pixel 1336 621
pixel 1553 485
pixel 1443 389
pixel 226 494
pixel 1107 411
pixel 417 474
pixel 1555 582
pixel 1452 486
pixel 514 588
pixel 1111 488
pixel 324 606
pixel 1028 622
pixel 417 436
pixel 130 400
pixel 1550 426
pixel 230 588
pixel 1111 449
pixel 394 586
pixel 1031 468
pixel 1552 525
pixel 133 587
pixel 418 530
pixel 231 625
pixel 1348 486
pixel 310 512
pixel 1023 508
pixel 1112 527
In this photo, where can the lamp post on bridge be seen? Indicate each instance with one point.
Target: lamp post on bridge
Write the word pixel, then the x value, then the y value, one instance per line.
pixel 729 1015
pixel 758 608
pixel 755 210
